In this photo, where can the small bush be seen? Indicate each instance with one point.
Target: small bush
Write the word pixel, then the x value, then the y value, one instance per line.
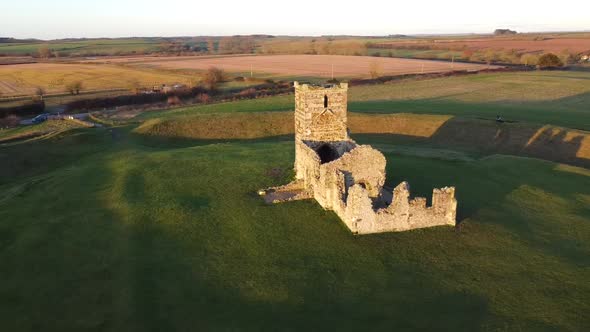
pixel 549 60
pixel 9 121
pixel 250 93
pixel 203 98
pixel 173 101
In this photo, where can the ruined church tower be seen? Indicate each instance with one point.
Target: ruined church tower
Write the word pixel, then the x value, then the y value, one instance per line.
pixel 320 123
pixel 320 112
pixel 348 178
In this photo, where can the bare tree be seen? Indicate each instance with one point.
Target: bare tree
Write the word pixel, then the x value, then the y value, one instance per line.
pixel 39 93
pixel 44 52
pixel 567 57
pixel 490 56
pixel 213 77
pixel 74 87
pixel 374 69
pixel 529 59
pixel 210 46
pixel 134 86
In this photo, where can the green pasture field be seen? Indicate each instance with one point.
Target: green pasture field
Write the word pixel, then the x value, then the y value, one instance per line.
pixel 105 229
pixel 100 229
pixel 542 97
pixel 92 46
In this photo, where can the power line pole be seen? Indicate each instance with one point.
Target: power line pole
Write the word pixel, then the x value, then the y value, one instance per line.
pixel 332 72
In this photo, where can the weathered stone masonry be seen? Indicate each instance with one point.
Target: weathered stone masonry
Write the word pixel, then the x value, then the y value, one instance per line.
pixel 349 178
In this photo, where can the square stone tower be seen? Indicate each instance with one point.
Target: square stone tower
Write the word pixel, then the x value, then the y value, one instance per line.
pixel 320 112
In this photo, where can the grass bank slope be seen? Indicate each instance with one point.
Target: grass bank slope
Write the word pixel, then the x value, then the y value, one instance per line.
pixel 45 128
pixel 484 136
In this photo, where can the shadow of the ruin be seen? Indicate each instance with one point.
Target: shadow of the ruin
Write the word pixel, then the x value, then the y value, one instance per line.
pixel 484 137
pixel 490 137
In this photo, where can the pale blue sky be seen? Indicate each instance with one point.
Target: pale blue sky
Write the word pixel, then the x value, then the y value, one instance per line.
pixel 109 18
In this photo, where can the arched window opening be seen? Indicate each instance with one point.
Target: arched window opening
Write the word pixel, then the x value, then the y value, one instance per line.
pixel 327 153
pixel 325 101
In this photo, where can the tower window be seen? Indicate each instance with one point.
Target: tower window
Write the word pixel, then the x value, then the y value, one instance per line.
pixel 325 101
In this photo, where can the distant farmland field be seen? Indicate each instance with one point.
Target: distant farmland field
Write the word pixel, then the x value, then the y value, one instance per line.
pixel 555 45
pixel 309 65
pixel 84 47
pixel 116 73
pixel 23 79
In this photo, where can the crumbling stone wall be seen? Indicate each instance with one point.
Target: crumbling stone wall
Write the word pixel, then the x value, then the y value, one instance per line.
pixel 349 178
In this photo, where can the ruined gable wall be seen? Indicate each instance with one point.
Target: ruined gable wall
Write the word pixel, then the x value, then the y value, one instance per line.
pixel 307 164
pixel 362 165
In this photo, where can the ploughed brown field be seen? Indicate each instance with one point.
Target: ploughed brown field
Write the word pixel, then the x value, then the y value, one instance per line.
pixel 555 45
pixel 307 65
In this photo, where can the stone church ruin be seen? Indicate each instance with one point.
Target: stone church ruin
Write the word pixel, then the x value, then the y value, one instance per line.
pixel 348 178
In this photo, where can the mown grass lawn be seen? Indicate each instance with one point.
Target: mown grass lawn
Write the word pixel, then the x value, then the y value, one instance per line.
pixel 101 230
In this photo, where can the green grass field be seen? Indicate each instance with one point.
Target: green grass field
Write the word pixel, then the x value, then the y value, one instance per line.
pixel 84 47
pixel 555 97
pixel 416 54
pixel 107 229
pixel 109 233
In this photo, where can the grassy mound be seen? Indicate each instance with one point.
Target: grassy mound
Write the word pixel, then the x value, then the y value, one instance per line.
pixel 221 126
pixel 45 128
pixel 173 238
pixel 485 136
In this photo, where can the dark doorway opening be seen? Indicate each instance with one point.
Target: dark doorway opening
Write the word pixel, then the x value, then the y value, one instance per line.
pixel 325 101
pixel 327 153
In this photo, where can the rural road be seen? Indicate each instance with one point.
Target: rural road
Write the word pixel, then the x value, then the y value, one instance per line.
pixel 78 116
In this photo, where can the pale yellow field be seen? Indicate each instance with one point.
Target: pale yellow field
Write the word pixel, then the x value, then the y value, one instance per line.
pixel 117 73
pixel 53 77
